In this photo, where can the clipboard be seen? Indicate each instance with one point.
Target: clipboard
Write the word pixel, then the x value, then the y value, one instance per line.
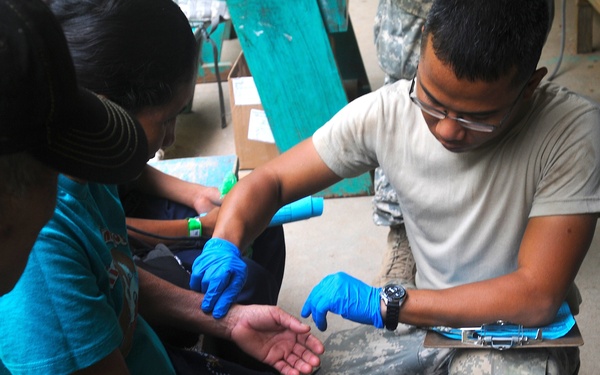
pixel 205 170
pixel 437 340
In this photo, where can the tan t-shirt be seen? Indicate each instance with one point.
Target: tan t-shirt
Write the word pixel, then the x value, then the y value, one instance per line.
pixel 465 213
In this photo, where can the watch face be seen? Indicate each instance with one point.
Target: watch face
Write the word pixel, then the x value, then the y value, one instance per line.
pixel 394 292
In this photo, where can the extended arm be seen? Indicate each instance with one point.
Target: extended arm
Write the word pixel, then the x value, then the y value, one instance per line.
pixel 551 252
pixel 246 211
pixel 201 198
pixel 265 332
pixel 249 207
pixel 169 228
pixel 550 255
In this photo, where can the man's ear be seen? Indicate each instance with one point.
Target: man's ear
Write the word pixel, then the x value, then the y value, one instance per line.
pixel 534 82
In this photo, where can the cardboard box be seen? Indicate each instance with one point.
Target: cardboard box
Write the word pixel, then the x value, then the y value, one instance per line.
pixel 251 152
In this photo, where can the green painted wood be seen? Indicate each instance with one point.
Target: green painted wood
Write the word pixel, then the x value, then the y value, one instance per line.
pixel 289 55
pixel 350 64
pixel 335 15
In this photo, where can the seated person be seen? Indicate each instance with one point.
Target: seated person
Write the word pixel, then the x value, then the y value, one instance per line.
pixel 397 31
pixel 82 283
pixel 111 58
pixel 29 164
pixel 153 75
pixel 498 178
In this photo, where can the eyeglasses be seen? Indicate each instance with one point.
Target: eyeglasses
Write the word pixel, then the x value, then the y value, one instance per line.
pixel 467 124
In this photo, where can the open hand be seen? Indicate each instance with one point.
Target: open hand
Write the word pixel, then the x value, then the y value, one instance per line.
pixel 276 338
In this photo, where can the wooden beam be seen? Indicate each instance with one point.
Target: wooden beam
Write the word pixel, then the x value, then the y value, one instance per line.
pixel 287 49
pixel 584 26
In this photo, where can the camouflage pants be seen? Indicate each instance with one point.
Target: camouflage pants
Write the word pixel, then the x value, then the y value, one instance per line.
pixel 368 350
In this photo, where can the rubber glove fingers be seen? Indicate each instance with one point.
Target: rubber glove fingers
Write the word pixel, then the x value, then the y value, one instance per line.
pixel 219 272
pixel 344 295
pixel 317 308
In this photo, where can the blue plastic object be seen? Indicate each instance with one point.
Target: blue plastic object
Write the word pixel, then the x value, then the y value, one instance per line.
pixel 561 325
pixel 301 209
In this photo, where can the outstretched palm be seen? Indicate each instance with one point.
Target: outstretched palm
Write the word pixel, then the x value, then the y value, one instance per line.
pixel 276 338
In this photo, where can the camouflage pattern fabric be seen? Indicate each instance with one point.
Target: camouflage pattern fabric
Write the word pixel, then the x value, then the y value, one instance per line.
pixel 386 210
pixel 542 361
pixel 368 350
pixel 397 34
pixel 398 25
pixel 418 8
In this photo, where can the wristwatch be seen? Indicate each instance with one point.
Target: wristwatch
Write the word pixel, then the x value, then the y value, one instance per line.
pixel 393 296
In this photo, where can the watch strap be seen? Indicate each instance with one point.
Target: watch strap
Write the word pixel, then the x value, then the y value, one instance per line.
pixel 391 316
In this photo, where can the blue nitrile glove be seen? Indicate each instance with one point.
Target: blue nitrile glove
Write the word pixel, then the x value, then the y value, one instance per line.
pixel 344 295
pixel 220 273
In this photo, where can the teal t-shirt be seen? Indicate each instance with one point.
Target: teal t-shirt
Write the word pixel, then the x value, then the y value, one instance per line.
pixel 77 299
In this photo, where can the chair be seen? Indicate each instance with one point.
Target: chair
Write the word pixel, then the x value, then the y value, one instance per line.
pixel 585 18
pixel 208 18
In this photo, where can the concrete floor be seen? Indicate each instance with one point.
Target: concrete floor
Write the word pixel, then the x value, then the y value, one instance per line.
pixel 344 237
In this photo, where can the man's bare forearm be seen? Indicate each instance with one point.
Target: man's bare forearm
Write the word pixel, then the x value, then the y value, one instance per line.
pixel 162 302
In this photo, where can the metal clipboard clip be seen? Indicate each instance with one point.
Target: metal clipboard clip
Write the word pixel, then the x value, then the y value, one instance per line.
pixel 499 335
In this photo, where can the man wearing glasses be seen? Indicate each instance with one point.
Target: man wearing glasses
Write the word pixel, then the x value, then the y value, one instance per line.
pixel 478 121
pixel 498 177
pixel 398 29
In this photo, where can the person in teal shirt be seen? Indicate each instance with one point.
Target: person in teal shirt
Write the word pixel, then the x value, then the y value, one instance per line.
pixel 83 305
pixel 48 125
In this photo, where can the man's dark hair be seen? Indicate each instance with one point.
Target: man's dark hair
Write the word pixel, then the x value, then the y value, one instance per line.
pixel 134 52
pixel 488 39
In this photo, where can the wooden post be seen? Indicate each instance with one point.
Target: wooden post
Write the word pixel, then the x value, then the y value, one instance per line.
pixel 584 26
pixel 289 55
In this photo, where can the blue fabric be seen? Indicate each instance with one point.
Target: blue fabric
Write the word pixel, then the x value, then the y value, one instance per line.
pixel 77 299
